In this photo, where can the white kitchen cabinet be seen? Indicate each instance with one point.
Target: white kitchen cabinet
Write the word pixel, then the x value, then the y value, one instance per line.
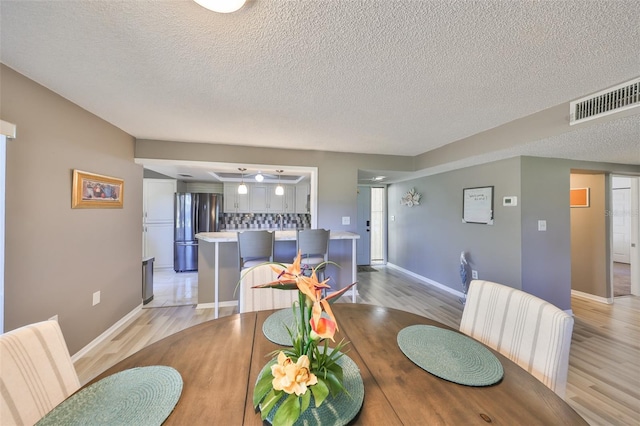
pixel 302 194
pixel 158 196
pixel 158 242
pixel 158 212
pixel 264 199
pixel 234 202
pixel 289 199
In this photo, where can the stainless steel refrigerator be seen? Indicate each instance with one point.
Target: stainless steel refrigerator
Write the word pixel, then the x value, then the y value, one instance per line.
pixel 194 212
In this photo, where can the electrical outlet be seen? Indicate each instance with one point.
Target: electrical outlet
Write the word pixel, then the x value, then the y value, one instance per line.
pixel 542 225
pixel 54 318
pixel 474 274
pixel 96 298
pixel 346 220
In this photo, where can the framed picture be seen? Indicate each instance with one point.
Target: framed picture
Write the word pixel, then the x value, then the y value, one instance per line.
pixel 579 197
pixel 92 191
pixel 477 205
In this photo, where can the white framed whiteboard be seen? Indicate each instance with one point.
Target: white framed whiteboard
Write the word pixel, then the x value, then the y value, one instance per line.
pixel 477 205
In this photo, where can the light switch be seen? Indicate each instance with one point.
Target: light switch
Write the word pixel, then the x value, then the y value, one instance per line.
pixel 346 220
pixel 542 225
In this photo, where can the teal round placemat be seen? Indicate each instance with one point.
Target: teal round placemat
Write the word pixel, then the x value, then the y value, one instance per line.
pixel 333 411
pixel 138 396
pixel 450 355
pixel 275 326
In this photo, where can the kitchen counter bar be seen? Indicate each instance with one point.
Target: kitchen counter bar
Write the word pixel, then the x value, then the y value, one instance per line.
pixel 218 263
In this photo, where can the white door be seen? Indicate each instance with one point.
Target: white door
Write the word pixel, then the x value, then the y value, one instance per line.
pixel 621 225
pixel 363 244
pixel 159 244
pixel 378 216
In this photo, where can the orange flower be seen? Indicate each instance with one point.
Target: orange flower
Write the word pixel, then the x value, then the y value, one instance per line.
pixel 290 377
pixel 324 328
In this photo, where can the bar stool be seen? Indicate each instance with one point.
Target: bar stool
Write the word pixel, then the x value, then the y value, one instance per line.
pixel 254 248
pixel 313 245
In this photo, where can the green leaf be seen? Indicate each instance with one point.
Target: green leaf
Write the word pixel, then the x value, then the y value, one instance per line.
pixel 288 412
pixel 320 392
pixel 262 387
pixel 334 383
pixel 305 401
pixel 269 401
pixel 336 369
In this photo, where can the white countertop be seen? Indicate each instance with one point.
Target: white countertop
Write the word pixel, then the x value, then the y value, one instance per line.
pixel 232 236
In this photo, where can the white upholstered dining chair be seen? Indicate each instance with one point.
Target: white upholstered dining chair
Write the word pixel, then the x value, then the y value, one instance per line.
pixel 36 372
pixel 259 299
pixel 533 333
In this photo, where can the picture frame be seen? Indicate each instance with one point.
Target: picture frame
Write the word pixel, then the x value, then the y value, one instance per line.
pixel 579 197
pixel 94 191
pixel 477 205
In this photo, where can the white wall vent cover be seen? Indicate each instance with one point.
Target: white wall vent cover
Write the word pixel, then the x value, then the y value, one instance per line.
pixel 615 99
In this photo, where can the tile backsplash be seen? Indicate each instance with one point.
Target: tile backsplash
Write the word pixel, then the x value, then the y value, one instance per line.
pixel 233 221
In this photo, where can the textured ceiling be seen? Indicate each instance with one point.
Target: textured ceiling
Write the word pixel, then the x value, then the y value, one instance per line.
pixel 387 77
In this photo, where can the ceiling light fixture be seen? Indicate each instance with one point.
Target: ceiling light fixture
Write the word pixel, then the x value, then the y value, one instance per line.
pixel 279 188
pixel 242 188
pixel 221 6
pixel 259 177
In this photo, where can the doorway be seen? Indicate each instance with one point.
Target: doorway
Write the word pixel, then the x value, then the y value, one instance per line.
pixel 370 248
pixel 622 226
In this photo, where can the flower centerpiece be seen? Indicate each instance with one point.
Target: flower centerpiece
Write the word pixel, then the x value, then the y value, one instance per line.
pixel 309 367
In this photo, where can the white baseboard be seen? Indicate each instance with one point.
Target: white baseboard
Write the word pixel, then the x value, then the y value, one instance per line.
pixel 607 300
pixel 104 336
pixel 212 305
pixel 427 280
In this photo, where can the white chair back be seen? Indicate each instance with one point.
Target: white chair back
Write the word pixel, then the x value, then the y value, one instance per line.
pixel 528 330
pixel 260 299
pixel 36 372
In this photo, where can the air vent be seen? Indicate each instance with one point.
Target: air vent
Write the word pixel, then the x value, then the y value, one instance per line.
pixel 619 98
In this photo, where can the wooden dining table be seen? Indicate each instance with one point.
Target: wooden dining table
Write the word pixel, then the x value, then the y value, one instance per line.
pixel 220 360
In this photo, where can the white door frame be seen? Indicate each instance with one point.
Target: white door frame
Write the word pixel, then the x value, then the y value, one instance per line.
pixel 7 130
pixel 635 235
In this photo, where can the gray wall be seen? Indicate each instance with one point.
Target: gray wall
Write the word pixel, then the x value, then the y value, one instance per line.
pixel 57 257
pixel 428 239
pixel 546 255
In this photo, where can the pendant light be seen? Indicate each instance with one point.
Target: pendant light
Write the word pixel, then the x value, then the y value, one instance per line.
pixel 242 188
pixel 259 177
pixel 279 188
pixel 221 6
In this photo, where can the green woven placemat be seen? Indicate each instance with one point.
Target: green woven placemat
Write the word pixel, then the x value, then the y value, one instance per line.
pixel 275 327
pixel 336 411
pixel 450 355
pixel 138 396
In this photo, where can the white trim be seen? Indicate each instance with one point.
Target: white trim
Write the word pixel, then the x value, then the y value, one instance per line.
pixel 104 336
pixel 8 129
pixel 587 296
pixel 212 305
pixel 427 280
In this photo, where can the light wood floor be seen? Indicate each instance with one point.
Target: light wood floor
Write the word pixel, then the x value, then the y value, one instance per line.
pixel 604 366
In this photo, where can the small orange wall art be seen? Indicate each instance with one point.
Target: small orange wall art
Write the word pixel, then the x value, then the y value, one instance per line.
pixel 579 197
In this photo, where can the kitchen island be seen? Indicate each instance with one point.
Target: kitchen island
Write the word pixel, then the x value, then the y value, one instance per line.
pixel 218 270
